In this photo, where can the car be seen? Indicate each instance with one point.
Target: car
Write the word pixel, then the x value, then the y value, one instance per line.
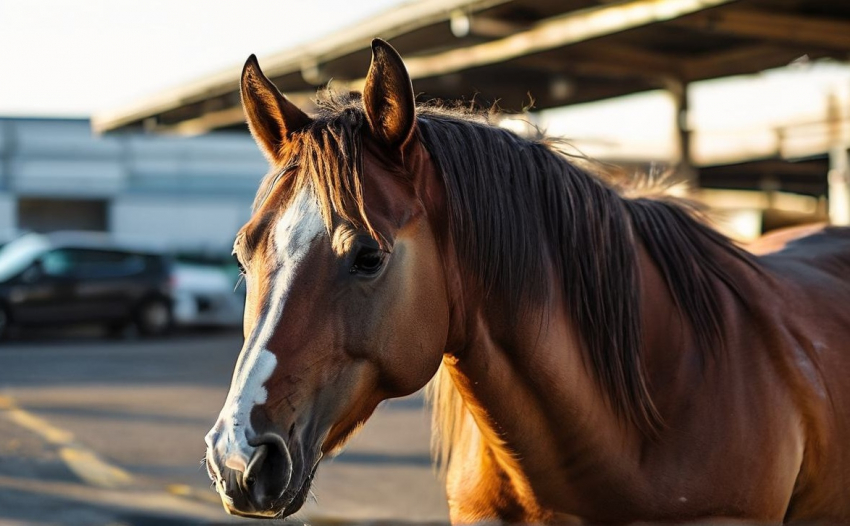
pixel 205 295
pixel 84 278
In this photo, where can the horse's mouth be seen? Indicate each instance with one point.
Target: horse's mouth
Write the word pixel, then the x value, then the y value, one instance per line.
pixel 301 496
pixel 290 502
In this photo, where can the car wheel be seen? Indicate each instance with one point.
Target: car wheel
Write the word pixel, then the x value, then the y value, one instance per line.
pixel 154 317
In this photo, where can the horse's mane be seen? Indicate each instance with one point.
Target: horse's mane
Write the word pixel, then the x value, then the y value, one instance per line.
pixel 518 207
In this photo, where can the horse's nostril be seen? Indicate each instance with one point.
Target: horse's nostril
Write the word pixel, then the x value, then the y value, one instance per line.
pixel 269 470
pixel 256 462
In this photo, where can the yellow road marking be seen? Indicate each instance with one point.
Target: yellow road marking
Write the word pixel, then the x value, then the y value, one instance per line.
pixel 183 490
pixel 91 468
pixel 38 425
pixel 155 502
pixel 82 461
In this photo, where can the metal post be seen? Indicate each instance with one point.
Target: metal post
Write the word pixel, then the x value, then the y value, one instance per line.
pixel 838 177
pixel 685 170
pixel 839 185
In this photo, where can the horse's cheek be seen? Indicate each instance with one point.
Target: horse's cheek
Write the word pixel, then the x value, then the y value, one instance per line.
pixel 416 319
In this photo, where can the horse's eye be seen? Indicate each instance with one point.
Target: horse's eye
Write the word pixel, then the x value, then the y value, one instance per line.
pixel 240 266
pixel 368 261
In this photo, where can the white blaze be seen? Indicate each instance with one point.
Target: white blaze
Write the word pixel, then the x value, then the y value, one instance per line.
pixel 292 236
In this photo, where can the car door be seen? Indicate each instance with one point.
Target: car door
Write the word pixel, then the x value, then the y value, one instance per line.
pixel 108 283
pixel 74 285
pixel 105 283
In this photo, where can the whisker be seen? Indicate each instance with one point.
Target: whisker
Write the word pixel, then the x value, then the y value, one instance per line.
pixel 239 281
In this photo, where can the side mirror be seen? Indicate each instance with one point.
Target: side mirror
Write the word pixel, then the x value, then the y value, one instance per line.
pixel 33 273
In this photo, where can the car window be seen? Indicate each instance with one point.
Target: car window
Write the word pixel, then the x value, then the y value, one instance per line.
pixel 91 264
pixel 17 255
pixel 154 263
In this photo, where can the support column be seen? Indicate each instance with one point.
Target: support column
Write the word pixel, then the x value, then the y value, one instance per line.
pixel 838 177
pixel 839 185
pixel 685 170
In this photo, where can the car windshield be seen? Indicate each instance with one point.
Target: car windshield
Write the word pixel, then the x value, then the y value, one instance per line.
pixel 17 255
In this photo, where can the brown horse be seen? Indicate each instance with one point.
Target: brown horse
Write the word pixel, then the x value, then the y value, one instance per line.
pixel 598 357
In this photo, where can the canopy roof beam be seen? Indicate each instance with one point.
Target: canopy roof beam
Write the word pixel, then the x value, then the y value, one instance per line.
pixel 737 61
pixel 822 33
pixel 563 30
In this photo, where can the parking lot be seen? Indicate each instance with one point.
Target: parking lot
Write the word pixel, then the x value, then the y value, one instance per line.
pixel 98 431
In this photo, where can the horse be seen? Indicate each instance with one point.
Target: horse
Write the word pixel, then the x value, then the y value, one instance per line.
pixel 592 354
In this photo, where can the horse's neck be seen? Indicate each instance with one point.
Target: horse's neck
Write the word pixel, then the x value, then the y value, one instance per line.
pixel 538 409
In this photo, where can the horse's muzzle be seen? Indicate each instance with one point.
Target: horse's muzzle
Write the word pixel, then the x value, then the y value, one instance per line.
pixel 262 488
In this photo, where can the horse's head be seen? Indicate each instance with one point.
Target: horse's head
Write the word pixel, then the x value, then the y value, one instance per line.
pixel 346 294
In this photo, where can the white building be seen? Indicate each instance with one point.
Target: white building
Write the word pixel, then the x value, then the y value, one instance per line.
pixel 188 194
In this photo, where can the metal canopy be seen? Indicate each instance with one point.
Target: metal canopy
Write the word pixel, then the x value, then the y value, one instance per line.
pixel 554 52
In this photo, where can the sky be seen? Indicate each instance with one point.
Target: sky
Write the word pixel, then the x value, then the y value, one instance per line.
pixel 75 57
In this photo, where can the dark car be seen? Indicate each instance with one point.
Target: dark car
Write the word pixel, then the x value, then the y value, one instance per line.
pixel 75 278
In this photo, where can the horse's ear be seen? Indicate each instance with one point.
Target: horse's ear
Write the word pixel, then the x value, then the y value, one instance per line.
pixel 271 117
pixel 388 97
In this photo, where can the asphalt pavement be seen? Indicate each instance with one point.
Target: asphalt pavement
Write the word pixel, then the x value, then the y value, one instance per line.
pixel 104 432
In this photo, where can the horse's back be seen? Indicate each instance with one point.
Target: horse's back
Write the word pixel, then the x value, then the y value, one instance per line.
pixel 777 240
pixel 811 304
pixel 817 248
